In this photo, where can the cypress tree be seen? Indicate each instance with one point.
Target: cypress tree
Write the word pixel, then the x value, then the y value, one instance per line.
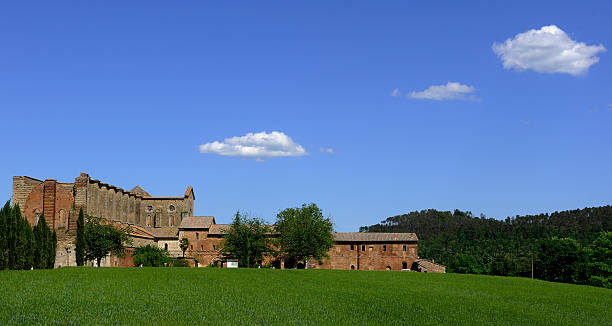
pixel 21 240
pixel 42 242
pixel 52 248
pixel 4 235
pixel 80 240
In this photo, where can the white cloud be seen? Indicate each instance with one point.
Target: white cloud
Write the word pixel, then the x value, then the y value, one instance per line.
pixel 255 145
pixel 395 93
pixel 450 91
pixel 327 150
pixel 547 50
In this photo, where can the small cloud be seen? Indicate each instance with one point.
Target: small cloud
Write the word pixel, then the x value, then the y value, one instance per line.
pixel 395 93
pixel 327 150
pixel 255 145
pixel 547 50
pixel 450 91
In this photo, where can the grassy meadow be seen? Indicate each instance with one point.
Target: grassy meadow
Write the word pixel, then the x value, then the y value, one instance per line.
pixel 147 296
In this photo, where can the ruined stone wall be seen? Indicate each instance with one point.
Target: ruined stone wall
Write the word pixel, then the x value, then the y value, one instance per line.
pixel 22 187
pixel 112 202
pixel 161 212
pixel 51 199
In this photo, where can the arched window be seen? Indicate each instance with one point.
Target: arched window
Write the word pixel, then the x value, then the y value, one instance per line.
pixel 388 268
pixel 197 235
pixel 166 246
pixel 171 220
pixel 352 267
pixel 384 247
pixel 36 216
pixel 148 220
pixel 171 208
pixel 404 248
pixel 404 265
pixel 352 247
pixel 62 218
pixel 202 247
pixel 362 247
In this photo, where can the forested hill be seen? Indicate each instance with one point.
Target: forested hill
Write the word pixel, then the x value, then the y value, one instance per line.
pixel 444 234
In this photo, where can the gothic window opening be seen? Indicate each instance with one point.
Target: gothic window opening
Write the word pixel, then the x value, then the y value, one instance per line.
pixel 384 247
pixel 404 248
pixel 197 235
pixel 202 247
pixel 171 220
pixel 166 246
pixel 352 267
pixel 362 247
pixel 148 220
pixel 352 247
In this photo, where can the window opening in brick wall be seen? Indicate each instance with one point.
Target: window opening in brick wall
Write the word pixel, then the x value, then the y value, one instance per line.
pixel 191 247
pixel 352 266
pixel 384 247
pixel 166 246
pixel 198 236
pixel 352 247
pixel 362 247
pixel 404 248
pixel 404 265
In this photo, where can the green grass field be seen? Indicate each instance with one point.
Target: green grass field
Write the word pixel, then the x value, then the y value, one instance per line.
pixel 237 296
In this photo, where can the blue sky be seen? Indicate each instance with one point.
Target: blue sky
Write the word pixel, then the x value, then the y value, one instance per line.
pixel 129 92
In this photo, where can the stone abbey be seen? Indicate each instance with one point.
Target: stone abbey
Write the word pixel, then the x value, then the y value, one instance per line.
pixel 162 221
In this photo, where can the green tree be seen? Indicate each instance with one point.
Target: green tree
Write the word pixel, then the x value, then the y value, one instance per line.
pixel 4 211
pixel 303 233
pixel 42 242
pixel 560 260
pixel 184 244
pixel 151 256
pixel 102 239
pixel 246 240
pixel 600 266
pixel 16 239
pixel 80 239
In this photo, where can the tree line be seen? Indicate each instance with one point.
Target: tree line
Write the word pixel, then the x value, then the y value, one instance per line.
pixel 514 246
pixel 24 247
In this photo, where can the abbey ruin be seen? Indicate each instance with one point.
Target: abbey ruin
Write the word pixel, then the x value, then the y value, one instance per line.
pixel 162 221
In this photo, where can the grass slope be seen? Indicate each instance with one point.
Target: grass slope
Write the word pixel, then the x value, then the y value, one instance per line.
pixel 220 296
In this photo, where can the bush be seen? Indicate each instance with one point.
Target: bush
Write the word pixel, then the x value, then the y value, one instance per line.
pixel 151 256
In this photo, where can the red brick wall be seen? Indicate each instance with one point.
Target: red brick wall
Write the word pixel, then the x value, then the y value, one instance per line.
pixel 51 199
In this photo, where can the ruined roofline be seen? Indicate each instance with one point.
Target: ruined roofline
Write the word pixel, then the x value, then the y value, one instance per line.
pixel 28 177
pixel 109 186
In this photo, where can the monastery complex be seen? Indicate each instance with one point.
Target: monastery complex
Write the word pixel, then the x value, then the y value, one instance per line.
pixel 163 221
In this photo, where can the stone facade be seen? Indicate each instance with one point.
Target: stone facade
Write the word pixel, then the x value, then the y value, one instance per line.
pixel 163 221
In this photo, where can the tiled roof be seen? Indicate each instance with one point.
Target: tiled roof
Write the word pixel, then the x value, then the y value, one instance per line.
pixel 197 222
pixel 374 236
pixel 219 228
pixel 164 232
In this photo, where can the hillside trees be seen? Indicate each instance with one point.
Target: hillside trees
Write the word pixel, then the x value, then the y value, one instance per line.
pixel 246 240
pixel 303 233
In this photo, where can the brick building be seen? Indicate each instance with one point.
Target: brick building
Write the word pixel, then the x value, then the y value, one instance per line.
pixel 162 221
